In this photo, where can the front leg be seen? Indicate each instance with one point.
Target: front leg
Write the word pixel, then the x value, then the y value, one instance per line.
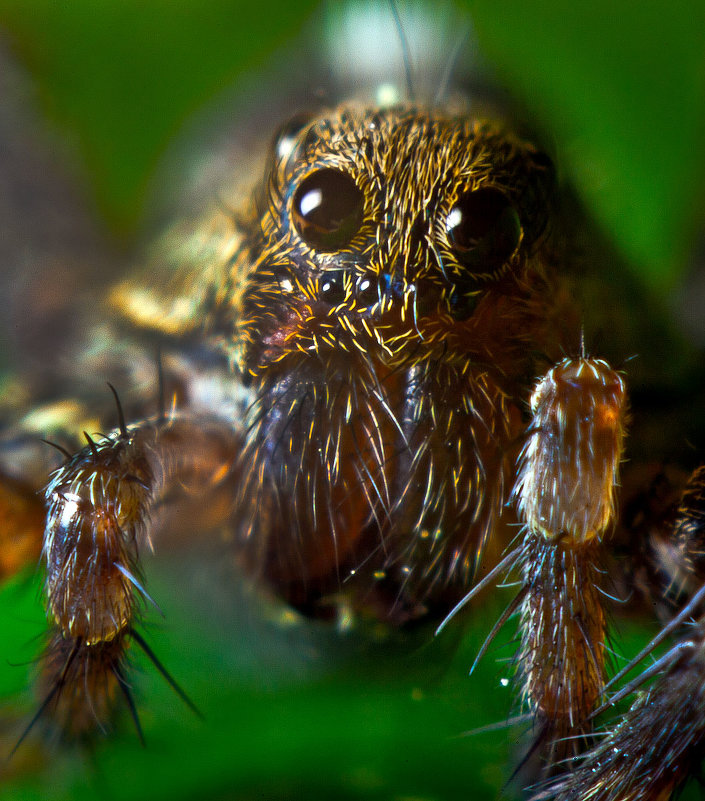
pixel 567 476
pixel 660 740
pixel 566 494
pixel 101 504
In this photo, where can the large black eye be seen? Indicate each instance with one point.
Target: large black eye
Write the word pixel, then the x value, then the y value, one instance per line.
pixel 328 209
pixel 484 229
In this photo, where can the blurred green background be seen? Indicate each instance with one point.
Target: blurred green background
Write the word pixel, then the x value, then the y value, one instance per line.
pixel 294 711
pixel 619 86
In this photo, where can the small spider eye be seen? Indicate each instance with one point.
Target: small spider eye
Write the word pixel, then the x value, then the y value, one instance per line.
pixel 286 137
pixel 367 291
pixel 332 287
pixel 483 228
pixel 328 208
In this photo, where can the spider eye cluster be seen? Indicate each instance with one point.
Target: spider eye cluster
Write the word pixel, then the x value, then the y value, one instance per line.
pixel 336 285
pixel 483 227
pixel 474 227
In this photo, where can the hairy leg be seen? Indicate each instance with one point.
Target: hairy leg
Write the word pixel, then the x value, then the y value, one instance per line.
pixel 102 507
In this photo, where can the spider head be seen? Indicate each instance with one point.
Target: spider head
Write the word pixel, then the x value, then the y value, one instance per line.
pixel 380 230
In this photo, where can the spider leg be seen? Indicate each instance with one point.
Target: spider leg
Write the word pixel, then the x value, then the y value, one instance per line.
pixel 101 503
pixel 660 741
pixel 565 492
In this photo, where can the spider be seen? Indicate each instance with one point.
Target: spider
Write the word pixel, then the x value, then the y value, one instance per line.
pixel 348 357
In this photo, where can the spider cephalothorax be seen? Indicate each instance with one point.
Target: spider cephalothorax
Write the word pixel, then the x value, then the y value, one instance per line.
pixel 397 288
